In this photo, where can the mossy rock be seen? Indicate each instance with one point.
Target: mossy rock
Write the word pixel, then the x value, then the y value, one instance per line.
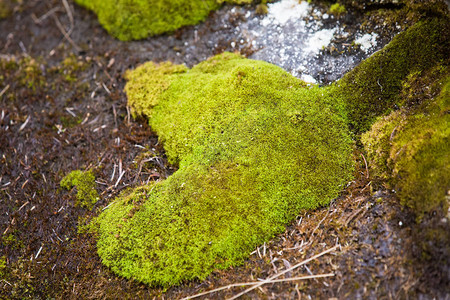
pixel 254 146
pixel 410 150
pixel 138 19
pixel 374 87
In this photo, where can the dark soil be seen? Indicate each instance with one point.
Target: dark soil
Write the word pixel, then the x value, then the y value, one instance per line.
pixel 62 108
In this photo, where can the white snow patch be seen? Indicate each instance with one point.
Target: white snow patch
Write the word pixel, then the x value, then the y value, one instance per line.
pixel 367 41
pixel 308 78
pixel 319 39
pixel 283 11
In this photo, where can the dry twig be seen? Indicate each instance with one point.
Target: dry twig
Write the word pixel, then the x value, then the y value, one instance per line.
pixel 64 33
pixel 284 272
pixel 257 283
pixel 367 168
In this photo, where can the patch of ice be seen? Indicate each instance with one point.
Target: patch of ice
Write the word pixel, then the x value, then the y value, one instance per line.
pixel 367 41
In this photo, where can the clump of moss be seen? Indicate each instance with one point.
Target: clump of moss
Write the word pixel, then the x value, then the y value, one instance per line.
pixel 409 149
pixel 337 9
pixel 138 19
pixel 70 67
pixel 24 71
pixel 262 9
pixel 254 146
pixel 6 8
pixel 374 87
pixel 2 265
pixel 145 96
pixel 84 181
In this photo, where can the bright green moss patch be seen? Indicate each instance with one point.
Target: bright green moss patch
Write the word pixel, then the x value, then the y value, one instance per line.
pixel 254 146
pixel 410 149
pixel 138 19
pixel 146 96
pixel 373 88
pixel 337 9
pixel 84 182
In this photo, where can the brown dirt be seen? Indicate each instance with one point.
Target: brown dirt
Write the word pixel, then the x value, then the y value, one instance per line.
pixel 63 118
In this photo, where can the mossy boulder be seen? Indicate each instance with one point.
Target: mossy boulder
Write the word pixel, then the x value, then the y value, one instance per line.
pixel 374 87
pixel 254 146
pixel 395 95
pixel 409 149
pixel 138 19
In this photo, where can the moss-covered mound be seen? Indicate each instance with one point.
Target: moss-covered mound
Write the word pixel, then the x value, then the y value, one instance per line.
pixel 408 147
pixel 410 150
pixel 254 146
pixel 374 87
pixel 138 19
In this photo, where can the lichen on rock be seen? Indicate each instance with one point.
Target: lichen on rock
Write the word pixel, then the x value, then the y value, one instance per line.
pixel 254 146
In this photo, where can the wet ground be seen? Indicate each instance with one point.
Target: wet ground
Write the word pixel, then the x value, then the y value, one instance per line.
pixel 62 108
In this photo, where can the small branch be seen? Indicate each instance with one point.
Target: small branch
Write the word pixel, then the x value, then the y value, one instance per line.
pixel 39 20
pixel 69 15
pixel 256 282
pixel 63 31
pixel 284 272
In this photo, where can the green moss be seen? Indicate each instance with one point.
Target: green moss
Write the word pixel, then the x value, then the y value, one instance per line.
pixel 254 146
pixel 2 264
pixel 337 9
pixel 145 96
pixel 70 67
pixel 374 87
pixel 262 9
pixel 87 196
pixel 6 8
pixel 409 148
pixel 25 72
pixel 137 19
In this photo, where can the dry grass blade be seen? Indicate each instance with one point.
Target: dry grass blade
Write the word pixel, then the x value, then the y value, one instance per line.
pixel 284 272
pixel 4 90
pixel 69 15
pixel 257 282
pixel 64 33
pixel 367 168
